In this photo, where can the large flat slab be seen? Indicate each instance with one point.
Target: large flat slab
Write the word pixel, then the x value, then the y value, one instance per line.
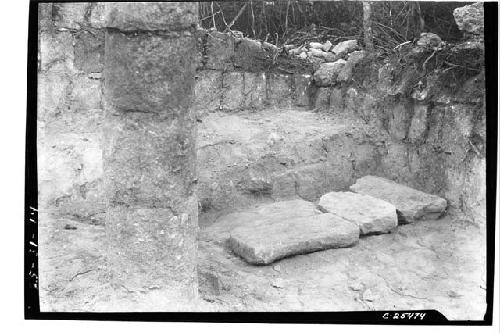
pixel 262 214
pixel 411 204
pixel 372 215
pixel 262 243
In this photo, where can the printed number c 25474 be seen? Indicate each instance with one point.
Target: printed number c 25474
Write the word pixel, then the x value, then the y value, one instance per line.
pixel 404 316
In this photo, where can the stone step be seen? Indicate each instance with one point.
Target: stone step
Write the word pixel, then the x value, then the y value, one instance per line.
pixel 261 242
pixel 372 215
pixel 411 204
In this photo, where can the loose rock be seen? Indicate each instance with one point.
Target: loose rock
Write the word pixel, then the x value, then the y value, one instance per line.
pixel 470 19
pixel 411 205
pixel 345 47
pixel 327 73
pixel 372 215
pixel 263 243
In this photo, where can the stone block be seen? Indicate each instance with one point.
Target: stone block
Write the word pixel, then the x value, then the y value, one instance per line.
pixel 254 90
pixel 150 162
pixel 97 14
pixel 336 101
pixel 158 241
pixel 44 16
pixel 280 210
pixel 399 122
pixel 302 89
pixel 411 205
pixel 372 215
pixel 279 90
pixel 418 125
pixel 207 91
pixel 89 51
pixel 70 15
pixel 250 56
pixel 56 48
pixel 327 73
pixel 321 98
pixel 149 73
pixel 53 89
pixel 262 242
pixel 150 16
pixel 68 104
pixel 232 91
pixel 219 51
pixel 66 162
pixel 470 18
pixel 86 94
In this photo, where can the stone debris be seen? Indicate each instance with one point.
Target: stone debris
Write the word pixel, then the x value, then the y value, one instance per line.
pixel 470 18
pixel 328 72
pixel 374 216
pixel 261 242
pixel 345 47
pixel 411 204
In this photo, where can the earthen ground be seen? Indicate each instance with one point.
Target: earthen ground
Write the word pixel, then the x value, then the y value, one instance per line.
pixel 426 265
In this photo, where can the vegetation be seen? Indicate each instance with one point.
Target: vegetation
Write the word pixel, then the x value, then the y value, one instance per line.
pixel 295 21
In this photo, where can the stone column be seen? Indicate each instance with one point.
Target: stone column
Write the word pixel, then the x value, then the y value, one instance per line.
pixel 149 151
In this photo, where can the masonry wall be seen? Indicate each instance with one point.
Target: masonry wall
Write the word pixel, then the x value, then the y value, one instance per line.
pixel 70 108
pixel 435 145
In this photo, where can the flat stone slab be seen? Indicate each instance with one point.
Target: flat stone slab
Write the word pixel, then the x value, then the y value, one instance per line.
pixel 372 215
pixel 262 243
pixel 264 214
pixel 411 205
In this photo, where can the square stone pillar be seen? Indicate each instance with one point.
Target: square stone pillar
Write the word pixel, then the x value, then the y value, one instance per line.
pixel 149 152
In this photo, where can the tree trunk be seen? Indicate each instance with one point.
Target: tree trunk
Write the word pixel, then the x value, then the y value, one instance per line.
pixel 367 26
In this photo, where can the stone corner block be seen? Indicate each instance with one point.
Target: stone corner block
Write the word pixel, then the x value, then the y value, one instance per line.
pixel 137 16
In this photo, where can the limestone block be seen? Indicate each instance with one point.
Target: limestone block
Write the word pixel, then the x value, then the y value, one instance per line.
pixel 412 205
pixel 470 18
pixel 70 15
pixel 97 14
pixel 372 215
pixel 302 91
pixel 149 73
pixel 56 48
pixel 345 47
pixel 67 161
pixel 336 101
pixel 150 162
pixel 153 16
pixel 207 91
pixel 254 90
pixel 154 240
pixel 321 98
pixel 327 73
pixel 265 241
pixel 280 210
pixel 399 122
pixel 279 90
pixel 418 125
pixel 89 51
pixel 250 56
pixel 232 91
pixel 219 51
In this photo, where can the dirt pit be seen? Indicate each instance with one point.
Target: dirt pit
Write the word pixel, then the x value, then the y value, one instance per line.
pixel 426 265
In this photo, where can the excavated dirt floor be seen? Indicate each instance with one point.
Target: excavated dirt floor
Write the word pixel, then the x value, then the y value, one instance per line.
pixel 427 265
